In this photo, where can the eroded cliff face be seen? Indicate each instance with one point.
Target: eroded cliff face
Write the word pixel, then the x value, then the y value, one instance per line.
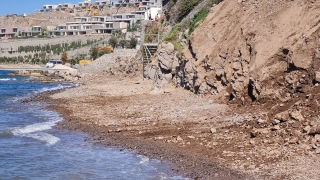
pixel 249 50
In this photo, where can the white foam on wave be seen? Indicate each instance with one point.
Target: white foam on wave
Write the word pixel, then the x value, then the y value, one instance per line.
pixel 34 128
pixel 44 137
pixel 8 79
pixel 60 86
pixel 143 159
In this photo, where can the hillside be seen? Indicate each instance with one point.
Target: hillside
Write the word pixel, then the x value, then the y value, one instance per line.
pixel 262 58
pixel 51 18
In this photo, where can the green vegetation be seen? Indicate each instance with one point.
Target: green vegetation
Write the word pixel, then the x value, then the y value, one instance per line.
pixel 200 16
pixel 64 57
pixel 133 43
pixel 173 34
pixel 113 41
pixel 186 7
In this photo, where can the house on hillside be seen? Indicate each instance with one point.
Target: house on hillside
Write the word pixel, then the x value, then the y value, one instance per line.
pixel 9 32
pixel 104 3
pixel 48 8
pixel 31 31
pixel 65 7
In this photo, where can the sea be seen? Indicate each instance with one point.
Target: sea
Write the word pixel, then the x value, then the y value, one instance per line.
pixel 31 148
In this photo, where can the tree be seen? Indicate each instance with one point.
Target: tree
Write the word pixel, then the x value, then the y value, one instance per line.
pixel 64 57
pixel 133 43
pixel 122 43
pixel 113 41
pixel 94 52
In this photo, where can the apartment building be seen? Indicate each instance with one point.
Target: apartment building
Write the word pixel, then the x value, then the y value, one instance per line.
pixel 9 32
pixel 31 31
pixel 48 8
pixel 96 24
pixel 65 7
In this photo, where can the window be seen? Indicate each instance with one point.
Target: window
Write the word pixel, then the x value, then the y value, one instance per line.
pixel 3 30
pixel 15 29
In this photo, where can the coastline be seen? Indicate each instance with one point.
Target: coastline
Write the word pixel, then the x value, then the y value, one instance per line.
pixel 197 136
pixel 143 138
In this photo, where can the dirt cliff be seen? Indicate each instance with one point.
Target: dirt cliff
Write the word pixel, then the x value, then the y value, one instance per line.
pixel 255 49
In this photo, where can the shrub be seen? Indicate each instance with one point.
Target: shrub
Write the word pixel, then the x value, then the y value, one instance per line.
pixel 113 41
pixel 173 34
pixel 94 52
pixel 133 43
pixel 64 57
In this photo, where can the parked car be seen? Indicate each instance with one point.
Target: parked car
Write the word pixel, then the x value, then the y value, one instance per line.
pixel 52 63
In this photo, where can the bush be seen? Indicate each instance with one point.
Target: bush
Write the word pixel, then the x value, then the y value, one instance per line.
pixel 94 52
pixel 133 43
pixel 186 7
pixel 113 41
pixel 173 34
pixel 123 43
pixel 64 57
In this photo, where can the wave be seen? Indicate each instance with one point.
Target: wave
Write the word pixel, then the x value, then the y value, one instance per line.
pixel 34 128
pixel 60 86
pixel 44 137
pixel 8 79
pixel 35 131
pixel 143 159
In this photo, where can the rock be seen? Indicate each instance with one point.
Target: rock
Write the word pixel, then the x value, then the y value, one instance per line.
pixel 293 140
pixel 317 137
pixel 314 130
pixel 191 137
pixel 275 121
pixel 283 116
pixel 252 142
pixel 166 55
pixel 275 128
pixel 159 138
pixel 306 129
pixel 255 132
pixel 317 151
pixel 260 121
pixel 296 115
pixel 213 130
pixel 179 138
pixel 317 76
pixel 118 130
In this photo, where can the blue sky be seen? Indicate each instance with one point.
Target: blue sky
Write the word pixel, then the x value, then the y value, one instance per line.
pixel 29 6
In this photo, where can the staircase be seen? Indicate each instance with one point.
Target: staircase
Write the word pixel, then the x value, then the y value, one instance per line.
pixel 149 49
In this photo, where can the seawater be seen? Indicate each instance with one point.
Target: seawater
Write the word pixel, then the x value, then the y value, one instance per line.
pixel 30 148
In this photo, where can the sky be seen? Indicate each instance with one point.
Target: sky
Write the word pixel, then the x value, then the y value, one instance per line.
pixel 29 6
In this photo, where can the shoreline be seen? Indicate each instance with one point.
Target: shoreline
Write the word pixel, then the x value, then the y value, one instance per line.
pixel 182 161
pixel 197 136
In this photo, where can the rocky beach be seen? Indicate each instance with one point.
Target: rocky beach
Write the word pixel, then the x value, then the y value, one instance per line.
pixel 199 136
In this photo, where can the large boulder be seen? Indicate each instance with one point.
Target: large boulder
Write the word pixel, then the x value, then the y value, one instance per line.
pixel 165 55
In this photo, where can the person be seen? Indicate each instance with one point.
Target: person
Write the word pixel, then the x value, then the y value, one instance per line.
pixel 149 16
pixel 157 17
